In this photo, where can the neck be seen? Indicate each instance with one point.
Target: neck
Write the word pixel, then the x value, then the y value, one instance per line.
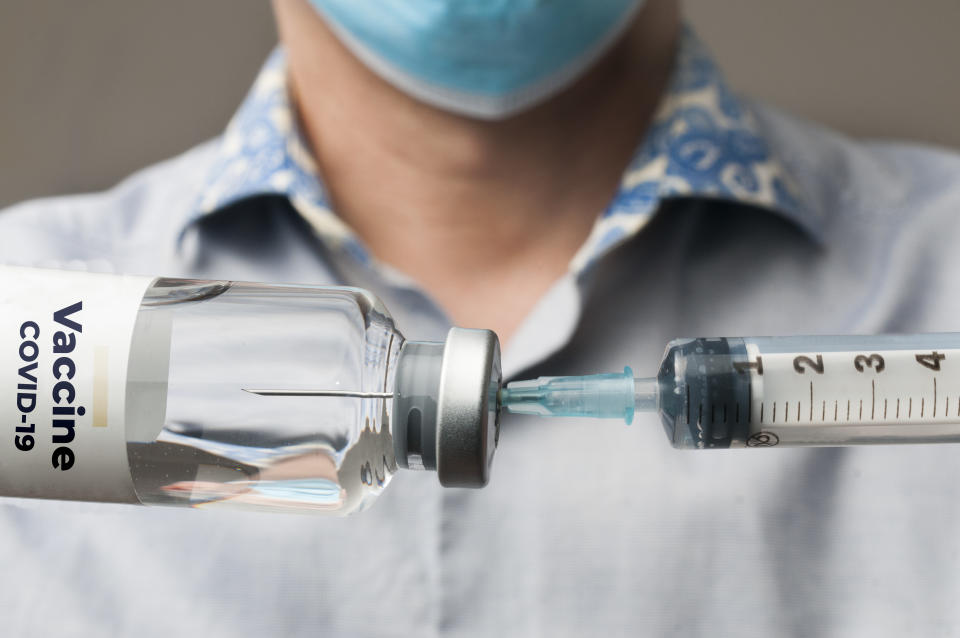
pixel 484 215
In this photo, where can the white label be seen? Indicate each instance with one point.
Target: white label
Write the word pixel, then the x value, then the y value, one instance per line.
pixel 64 348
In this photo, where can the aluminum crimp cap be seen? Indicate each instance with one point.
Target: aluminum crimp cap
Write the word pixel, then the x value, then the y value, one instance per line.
pixel 468 422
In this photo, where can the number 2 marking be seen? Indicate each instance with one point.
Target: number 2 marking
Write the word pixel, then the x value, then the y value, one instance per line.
pixel 816 366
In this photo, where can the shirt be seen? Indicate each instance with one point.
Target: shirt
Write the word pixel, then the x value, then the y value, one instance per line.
pixel 733 218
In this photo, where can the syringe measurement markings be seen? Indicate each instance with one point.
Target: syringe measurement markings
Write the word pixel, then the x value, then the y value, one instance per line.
pixel 859 415
pixel 688 405
pixel 934 397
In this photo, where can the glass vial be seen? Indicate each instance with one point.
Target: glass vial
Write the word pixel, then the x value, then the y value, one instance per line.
pixel 230 394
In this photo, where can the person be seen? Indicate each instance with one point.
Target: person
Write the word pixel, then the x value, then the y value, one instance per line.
pixel 579 177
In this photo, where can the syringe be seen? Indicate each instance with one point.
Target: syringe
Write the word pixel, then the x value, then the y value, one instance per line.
pixel 767 391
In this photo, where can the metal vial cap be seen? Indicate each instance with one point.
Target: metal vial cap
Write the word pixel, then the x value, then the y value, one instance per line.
pixel 445 409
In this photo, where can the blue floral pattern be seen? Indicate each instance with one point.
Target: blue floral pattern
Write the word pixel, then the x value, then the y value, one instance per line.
pixel 703 142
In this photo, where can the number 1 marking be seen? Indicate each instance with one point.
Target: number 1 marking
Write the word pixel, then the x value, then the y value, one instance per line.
pixel 745 366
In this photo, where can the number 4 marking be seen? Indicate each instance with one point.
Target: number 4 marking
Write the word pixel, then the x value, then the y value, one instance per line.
pixel 931 360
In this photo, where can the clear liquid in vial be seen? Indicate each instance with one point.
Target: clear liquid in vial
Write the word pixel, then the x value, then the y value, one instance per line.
pixel 196 438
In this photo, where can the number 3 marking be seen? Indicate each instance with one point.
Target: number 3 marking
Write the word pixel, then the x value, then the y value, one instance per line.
pixel 875 362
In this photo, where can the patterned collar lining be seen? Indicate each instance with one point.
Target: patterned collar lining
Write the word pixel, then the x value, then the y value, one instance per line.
pixel 703 142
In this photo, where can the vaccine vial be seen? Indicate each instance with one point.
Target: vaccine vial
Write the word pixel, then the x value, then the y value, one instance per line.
pixel 230 394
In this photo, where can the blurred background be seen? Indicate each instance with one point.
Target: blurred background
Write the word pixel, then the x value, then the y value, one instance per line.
pixel 94 90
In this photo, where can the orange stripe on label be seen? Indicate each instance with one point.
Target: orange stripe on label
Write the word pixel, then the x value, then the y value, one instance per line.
pixel 101 382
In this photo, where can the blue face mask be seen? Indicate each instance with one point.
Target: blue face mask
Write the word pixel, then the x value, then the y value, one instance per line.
pixel 482 58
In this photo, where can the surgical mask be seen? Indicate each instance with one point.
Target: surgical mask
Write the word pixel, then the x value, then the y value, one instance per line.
pixel 481 58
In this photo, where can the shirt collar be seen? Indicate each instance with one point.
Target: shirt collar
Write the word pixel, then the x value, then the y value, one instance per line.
pixel 263 152
pixel 703 142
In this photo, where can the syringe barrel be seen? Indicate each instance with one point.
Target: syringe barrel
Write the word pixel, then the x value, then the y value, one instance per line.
pixel 703 402
pixel 821 391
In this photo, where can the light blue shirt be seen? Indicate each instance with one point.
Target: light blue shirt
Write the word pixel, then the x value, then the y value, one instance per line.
pixel 732 219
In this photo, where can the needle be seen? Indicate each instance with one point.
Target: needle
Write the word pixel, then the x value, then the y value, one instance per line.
pixel 321 393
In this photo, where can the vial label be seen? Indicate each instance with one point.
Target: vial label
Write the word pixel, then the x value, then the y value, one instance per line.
pixel 64 348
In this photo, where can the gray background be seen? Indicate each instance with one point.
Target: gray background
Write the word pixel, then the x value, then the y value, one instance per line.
pixel 92 90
